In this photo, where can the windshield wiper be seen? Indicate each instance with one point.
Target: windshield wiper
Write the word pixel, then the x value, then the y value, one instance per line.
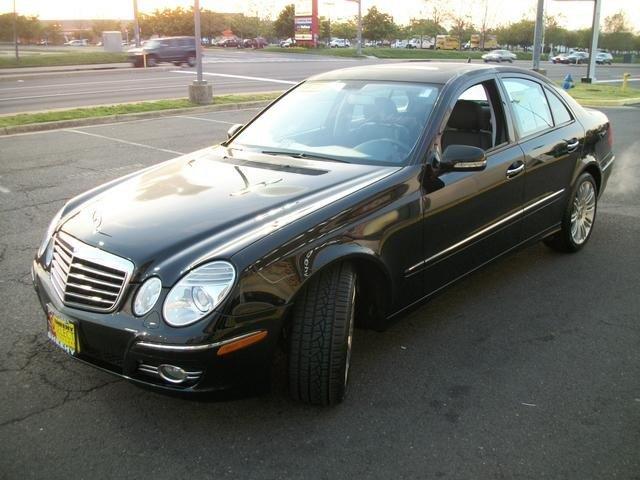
pixel 310 156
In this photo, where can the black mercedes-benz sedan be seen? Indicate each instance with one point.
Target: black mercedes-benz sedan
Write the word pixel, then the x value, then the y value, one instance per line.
pixel 355 195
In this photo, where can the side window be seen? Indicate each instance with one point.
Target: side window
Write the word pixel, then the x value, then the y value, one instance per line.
pixel 560 113
pixel 529 106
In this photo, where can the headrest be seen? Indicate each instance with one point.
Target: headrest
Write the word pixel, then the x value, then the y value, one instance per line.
pixel 386 106
pixel 466 115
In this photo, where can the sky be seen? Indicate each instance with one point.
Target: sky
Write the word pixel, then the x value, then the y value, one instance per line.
pixel 573 14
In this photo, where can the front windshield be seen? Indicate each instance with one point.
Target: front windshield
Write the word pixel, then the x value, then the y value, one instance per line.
pixel 347 120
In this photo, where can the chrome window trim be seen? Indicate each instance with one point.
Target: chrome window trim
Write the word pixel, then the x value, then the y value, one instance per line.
pixel 485 230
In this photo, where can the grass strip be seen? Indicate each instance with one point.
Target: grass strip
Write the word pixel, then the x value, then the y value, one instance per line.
pixel 592 93
pixel 121 109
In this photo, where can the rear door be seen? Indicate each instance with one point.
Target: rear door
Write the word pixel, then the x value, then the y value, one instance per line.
pixel 552 142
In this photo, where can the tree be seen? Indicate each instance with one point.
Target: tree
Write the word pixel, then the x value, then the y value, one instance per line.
pixel 244 26
pixel 377 25
pixel 616 23
pixel 617 41
pixel 519 33
pixel 284 25
pixel 425 28
pixel 347 29
pixel 325 28
pixel 99 26
pixel 461 26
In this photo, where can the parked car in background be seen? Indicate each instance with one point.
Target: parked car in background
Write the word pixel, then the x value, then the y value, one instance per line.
pixel 560 58
pixel 499 56
pixel 577 58
pixel 604 58
pixel 77 43
pixel 289 42
pixel 353 197
pixel 177 50
pixel 228 43
pixel 399 44
pixel 339 43
pixel 253 43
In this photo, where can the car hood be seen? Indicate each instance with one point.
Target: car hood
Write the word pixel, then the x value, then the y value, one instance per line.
pixel 209 204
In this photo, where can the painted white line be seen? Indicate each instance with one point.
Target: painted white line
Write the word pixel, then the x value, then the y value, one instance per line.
pixel 618 80
pixel 83 83
pixel 205 119
pixel 4 190
pixel 226 75
pixel 90 92
pixel 126 142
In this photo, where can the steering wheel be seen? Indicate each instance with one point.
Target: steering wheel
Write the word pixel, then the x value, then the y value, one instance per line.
pixel 399 129
pixel 373 147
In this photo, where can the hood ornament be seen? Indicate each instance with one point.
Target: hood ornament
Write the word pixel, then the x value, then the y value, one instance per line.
pixel 96 219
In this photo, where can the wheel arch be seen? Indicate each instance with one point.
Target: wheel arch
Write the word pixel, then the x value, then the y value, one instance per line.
pixel 375 286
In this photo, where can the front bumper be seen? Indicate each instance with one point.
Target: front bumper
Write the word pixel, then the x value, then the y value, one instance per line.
pixel 132 347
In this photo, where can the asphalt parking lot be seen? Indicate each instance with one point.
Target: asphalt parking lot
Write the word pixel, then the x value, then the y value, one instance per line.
pixel 527 369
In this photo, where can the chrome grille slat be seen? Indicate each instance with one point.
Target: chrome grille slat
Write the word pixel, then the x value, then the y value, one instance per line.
pixel 86 277
pixel 96 272
pixel 93 280
pixel 91 289
pixel 87 297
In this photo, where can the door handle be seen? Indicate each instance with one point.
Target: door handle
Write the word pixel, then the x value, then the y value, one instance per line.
pixel 515 168
pixel 572 144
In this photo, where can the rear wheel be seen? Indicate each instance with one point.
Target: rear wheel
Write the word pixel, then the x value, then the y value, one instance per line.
pixel 152 61
pixel 321 337
pixel 579 217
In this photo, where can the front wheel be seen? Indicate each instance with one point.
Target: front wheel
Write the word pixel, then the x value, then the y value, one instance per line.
pixel 191 60
pixel 578 218
pixel 321 337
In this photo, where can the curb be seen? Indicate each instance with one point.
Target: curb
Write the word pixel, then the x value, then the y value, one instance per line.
pixel 609 103
pixel 128 117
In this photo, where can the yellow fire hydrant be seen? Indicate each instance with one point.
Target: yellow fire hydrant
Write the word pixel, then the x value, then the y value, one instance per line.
pixel 625 80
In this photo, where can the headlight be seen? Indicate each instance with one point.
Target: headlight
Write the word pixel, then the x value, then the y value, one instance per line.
pixel 147 296
pixel 49 233
pixel 198 293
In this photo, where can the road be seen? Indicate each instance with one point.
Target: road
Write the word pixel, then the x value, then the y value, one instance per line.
pixel 227 69
pixel 527 369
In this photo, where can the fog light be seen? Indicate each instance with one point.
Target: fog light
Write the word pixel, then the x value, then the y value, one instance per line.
pixel 172 374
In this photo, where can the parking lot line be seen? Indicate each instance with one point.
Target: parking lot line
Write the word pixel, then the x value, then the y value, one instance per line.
pixel 75 84
pixel 618 80
pixel 244 77
pixel 126 142
pixel 205 119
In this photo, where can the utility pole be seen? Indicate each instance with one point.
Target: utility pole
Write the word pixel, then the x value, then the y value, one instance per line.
pixel 200 91
pixel 595 30
pixel 136 25
pixel 537 36
pixel 196 18
pixel 15 30
pixel 359 27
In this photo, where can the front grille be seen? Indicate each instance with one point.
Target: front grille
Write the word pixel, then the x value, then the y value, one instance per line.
pixel 86 277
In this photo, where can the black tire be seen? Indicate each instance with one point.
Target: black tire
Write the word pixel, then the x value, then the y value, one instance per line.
pixel 191 60
pixel 152 61
pixel 564 241
pixel 321 334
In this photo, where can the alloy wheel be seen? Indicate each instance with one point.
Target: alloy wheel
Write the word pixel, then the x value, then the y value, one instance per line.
pixel 583 212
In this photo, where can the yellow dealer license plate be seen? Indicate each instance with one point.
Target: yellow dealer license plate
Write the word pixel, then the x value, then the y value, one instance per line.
pixel 62 332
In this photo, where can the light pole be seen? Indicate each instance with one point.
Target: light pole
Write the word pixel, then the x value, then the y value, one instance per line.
pixel 595 30
pixel 15 30
pixel 136 25
pixel 200 91
pixel 537 36
pixel 359 2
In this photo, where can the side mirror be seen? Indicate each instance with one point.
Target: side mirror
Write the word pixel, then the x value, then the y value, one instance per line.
pixel 463 158
pixel 234 129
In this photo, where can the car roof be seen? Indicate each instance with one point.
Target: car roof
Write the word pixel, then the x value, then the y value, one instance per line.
pixel 419 72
